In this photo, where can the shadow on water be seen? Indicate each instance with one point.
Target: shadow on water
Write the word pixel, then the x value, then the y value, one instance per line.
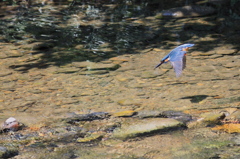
pixel 196 98
pixel 98 30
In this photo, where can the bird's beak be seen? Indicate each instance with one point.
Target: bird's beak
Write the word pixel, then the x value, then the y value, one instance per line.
pixel 185 49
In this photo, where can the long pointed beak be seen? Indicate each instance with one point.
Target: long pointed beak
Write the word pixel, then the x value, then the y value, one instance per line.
pixel 159 64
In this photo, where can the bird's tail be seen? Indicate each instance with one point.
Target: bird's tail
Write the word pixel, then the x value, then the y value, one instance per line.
pixel 159 64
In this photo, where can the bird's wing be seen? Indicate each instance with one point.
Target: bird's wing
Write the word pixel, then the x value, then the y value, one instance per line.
pixel 178 67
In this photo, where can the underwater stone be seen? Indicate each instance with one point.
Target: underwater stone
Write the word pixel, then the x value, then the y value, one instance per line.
pixel 188 11
pixel 145 126
pixel 87 117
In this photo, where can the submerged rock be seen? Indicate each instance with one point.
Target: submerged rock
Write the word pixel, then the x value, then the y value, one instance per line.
pixel 229 128
pixel 149 114
pixel 7 153
pixel 180 116
pixel 91 137
pixel 87 117
pixel 126 113
pixel 145 126
pixel 188 11
pixel 208 118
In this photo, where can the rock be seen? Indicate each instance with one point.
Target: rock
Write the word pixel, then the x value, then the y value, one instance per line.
pixel 91 137
pixel 236 139
pixel 93 66
pixel 149 114
pixel 180 116
pixel 225 51
pixel 212 117
pixel 119 59
pixel 145 126
pixel 14 53
pixel 200 53
pixel 229 128
pixel 206 119
pixel 124 102
pixel 233 117
pixel 11 124
pixel 86 117
pixel 7 153
pixel 188 11
pixel 127 113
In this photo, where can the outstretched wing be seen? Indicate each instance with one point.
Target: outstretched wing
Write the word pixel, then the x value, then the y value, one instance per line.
pixel 178 67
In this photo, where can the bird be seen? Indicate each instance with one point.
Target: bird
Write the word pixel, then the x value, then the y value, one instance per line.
pixel 177 57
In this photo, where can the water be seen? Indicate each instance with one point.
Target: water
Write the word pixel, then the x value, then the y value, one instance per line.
pixel 98 56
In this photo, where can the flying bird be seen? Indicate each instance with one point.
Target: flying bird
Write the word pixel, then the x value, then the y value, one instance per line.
pixel 177 57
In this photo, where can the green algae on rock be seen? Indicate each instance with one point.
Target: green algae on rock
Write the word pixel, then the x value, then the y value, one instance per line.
pixel 126 113
pixel 145 126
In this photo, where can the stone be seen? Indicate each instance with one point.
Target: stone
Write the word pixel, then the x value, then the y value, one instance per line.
pixel 148 113
pixel 229 128
pixel 129 101
pixel 212 117
pixel 126 113
pixel 86 117
pixel 92 66
pixel 180 116
pixel 188 11
pixel 91 137
pixel 145 126
pixel 223 51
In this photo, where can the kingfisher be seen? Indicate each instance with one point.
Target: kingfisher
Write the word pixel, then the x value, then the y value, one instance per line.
pixel 177 57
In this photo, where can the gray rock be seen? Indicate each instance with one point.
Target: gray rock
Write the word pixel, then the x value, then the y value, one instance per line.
pixel 148 114
pixel 145 126
pixel 86 117
pixel 180 116
pixel 6 153
pixel 188 11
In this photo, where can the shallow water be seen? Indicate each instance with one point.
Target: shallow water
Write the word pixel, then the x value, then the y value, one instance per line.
pixel 86 58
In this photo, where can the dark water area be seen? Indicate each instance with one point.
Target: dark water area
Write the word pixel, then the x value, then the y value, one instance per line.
pixel 77 79
pixel 103 28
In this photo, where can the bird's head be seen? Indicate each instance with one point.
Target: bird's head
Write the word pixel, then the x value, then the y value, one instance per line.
pixel 185 47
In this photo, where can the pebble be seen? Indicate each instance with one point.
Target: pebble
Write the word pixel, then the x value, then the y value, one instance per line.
pixel 11 124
